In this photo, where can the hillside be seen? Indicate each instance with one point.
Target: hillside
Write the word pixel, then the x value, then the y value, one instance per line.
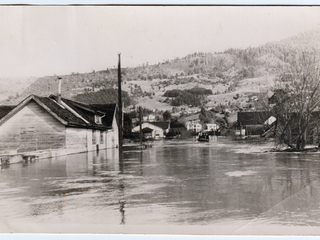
pixel 234 76
pixel 11 88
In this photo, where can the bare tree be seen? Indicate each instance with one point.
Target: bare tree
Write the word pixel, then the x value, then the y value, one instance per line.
pixel 297 100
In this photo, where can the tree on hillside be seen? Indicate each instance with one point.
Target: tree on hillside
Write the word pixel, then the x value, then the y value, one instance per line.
pixel 297 101
pixel 200 91
pixel 206 116
pixel 167 115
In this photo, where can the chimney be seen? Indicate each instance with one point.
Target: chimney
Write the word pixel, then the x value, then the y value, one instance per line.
pixel 59 91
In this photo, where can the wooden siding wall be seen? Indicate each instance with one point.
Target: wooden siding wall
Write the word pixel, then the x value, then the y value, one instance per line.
pixel 90 146
pixel 30 129
pixel 112 136
pixel 90 136
pixel 100 139
pixel 111 139
pixel 77 138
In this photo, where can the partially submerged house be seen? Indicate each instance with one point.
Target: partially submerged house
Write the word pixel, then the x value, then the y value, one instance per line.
pixel 176 129
pixel 153 130
pixel 253 123
pixel 58 124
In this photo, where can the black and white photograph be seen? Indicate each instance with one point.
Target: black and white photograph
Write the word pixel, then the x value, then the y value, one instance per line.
pixel 164 119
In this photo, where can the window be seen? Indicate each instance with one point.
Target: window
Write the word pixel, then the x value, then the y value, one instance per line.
pixel 93 136
pixel 101 137
pixel 97 119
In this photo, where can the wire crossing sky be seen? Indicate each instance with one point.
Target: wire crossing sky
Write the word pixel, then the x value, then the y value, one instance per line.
pixel 48 40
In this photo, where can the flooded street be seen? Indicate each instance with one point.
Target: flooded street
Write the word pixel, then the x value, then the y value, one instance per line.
pixel 220 187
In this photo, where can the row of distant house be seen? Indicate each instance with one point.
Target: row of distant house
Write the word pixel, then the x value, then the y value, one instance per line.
pixel 158 130
pixel 248 123
pixel 55 123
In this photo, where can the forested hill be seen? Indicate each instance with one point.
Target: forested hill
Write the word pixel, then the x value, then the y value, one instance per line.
pixel 222 73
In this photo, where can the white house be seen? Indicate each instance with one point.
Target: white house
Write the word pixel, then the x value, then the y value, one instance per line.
pixel 194 126
pixel 211 127
pixel 150 118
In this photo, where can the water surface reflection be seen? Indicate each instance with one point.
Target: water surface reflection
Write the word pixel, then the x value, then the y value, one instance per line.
pixel 175 182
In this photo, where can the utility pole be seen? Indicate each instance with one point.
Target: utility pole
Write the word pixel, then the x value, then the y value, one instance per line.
pixel 140 117
pixel 120 106
pixel 59 90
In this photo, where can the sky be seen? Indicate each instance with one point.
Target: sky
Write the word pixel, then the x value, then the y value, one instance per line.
pixel 48 40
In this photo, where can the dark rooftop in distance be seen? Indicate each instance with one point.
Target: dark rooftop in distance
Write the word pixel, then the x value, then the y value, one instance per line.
pixel 163 125
pixel 253 118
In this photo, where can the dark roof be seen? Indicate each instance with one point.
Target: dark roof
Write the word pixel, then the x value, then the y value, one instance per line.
pixel 163 125
pixel 147 130
pixel 252 118
pixel 70 113
pixel 108 109
pixel 88 111
pixel 4 110
pixel 177 124
pixel 61 112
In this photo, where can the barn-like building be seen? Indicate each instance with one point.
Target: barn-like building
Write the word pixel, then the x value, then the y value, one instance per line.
pixel 153 130
pixel 55 123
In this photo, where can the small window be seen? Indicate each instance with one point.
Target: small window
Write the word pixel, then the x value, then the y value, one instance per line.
pixel 97 119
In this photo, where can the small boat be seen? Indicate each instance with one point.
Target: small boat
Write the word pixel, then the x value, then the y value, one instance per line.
pixel 203 137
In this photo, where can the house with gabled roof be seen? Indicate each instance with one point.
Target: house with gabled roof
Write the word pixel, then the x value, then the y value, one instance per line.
pixel 55 123
pixel 153 130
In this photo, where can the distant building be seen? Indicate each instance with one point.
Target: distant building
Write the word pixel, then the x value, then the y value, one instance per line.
pixel 211 127
pixel 54 123
pixel 149 118
pixel 253 123
pixel 194 126
pixel 153 130
pixel 176 129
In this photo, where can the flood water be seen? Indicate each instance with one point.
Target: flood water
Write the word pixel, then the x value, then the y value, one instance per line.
pixel 220 187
